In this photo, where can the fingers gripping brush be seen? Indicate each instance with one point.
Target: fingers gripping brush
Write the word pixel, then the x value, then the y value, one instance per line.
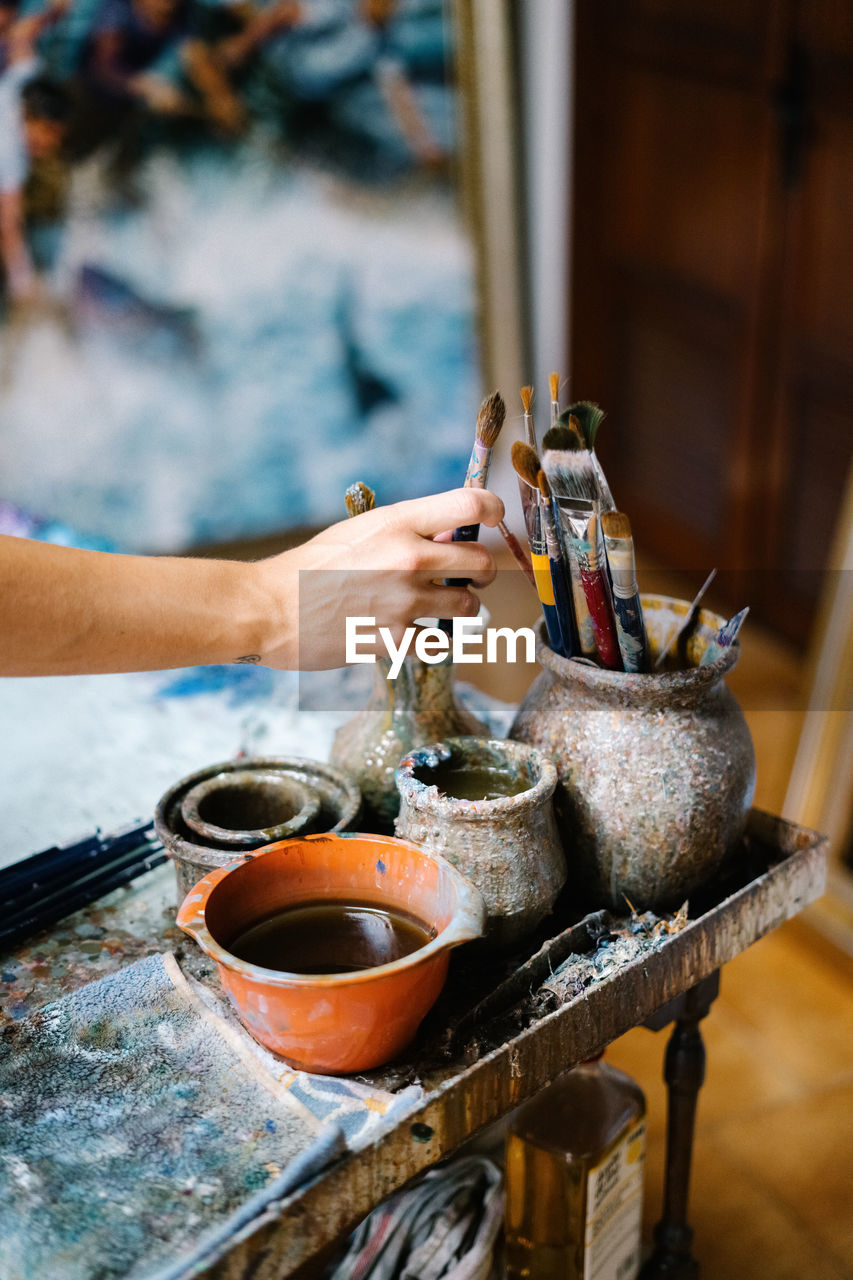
pixel 490 419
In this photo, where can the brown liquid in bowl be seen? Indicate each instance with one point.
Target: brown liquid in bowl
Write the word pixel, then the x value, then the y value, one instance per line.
pixel 330 937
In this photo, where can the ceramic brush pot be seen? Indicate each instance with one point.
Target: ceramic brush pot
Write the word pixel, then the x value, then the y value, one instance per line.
pixel 485 806
pixel 656 772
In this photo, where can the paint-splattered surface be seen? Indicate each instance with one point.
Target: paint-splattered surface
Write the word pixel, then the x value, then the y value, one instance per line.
pixel 125 926
pixel 128 1128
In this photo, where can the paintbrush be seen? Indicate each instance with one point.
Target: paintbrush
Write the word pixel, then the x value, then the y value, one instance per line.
pixel 724 638
pixel 554 387
pixel 529 426
pixel 582 524
pixel 588 417
pixel 567 462
pixel 630 628
pixel 675 634
pixel 359 498
pixel 51 885
pixel 528 493
pixel 560 571
pixel 490 419
pixel 517 551
pixel 526 463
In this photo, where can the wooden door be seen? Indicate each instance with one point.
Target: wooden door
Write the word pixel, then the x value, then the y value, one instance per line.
pixel 712 288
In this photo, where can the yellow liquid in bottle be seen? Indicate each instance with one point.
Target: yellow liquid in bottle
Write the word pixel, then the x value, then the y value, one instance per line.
pixel 574 1179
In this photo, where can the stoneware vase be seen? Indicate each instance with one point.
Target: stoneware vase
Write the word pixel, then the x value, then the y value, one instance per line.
pixel 418 707
pixel 656 771
pixel 508 846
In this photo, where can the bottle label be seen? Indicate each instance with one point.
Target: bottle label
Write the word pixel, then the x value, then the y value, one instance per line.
pixel 614 1207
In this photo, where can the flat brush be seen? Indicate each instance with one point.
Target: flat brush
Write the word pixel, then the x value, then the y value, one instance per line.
pixel 630 627
pixel 526 463
pixel 588 417
pixel 490 419
pixel 567 462
pixel 358 499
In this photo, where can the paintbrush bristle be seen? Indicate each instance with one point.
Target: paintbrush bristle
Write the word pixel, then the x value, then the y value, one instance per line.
pixel 544 487
pixel 569 422
pixel 359 498
pixel 490 419
pixel 525 459
pixel 615 524
pixel 562 437
pixel 527 398
pixel 554 384
pixel 568 465
pixel 589 418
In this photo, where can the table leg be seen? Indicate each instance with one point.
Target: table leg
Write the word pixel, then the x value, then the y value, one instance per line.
pixel 684 1073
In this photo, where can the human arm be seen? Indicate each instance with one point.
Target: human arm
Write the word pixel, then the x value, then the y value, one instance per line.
pixel 67 611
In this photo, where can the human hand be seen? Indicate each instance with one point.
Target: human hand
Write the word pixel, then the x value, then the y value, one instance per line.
pixel 388 564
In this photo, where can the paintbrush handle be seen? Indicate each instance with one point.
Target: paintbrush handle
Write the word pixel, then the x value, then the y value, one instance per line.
pixel 517 552
pixel 686 621
pixel 41 916
pixel 465 533
pixel 630 631
pixel 599 599
pixel 560 583
pixel 630 627
pixel 545 591
pixel 42 872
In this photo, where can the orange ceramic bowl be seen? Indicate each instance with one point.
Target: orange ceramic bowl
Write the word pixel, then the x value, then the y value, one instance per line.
pixel 338 1022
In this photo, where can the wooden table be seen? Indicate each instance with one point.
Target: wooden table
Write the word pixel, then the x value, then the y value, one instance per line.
pixel 497 1036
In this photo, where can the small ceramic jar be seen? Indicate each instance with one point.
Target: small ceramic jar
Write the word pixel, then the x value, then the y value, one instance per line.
pixel 504 840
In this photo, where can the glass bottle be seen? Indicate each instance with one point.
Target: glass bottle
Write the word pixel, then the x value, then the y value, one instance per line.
pixel 574 1179
pixel 416 708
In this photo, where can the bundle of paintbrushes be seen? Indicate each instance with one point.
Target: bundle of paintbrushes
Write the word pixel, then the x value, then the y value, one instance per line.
pixel 581 547
pixel 48 886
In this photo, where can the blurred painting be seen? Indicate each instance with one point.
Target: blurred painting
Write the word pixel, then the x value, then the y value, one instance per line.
pixel 233 273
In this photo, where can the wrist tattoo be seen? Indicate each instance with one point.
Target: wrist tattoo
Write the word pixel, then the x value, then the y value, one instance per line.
pixel 250 658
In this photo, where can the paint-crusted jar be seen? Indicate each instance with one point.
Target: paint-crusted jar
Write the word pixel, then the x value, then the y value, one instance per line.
pixel 656 771
pixel 499 831
pixel 418 707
